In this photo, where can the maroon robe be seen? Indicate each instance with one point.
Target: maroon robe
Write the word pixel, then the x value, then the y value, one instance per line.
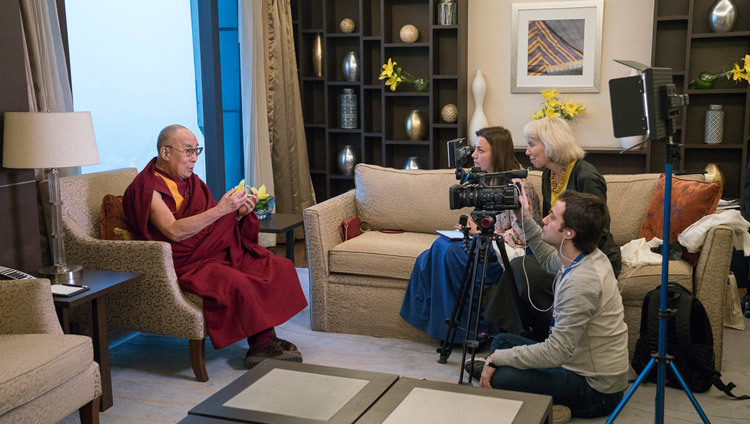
pixel 245 288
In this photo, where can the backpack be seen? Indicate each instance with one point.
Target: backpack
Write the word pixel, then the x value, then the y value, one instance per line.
pixel 690 341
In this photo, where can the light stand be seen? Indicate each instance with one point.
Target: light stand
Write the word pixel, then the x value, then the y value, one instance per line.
pixel 51 140
pixel 669 108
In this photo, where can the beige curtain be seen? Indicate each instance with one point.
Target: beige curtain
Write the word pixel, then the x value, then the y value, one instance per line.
pixel 291 170
pixel 256 143
pixel 47 80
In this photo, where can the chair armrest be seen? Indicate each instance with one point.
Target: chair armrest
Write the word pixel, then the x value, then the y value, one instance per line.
pixel 710 279
pixel 26 307
pixel 321 233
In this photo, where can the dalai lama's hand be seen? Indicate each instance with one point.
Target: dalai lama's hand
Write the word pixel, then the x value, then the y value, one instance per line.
pixel 232 201
pixel 247 206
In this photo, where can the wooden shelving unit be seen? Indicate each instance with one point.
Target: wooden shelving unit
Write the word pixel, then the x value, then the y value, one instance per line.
pixel 439 55
pixel 683 41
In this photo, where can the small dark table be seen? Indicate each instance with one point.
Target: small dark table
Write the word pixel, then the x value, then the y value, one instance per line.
pixel 279 223
pixel 100 282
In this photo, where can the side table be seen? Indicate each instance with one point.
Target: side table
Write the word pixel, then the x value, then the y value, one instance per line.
pixel 279 223
pixel 100 282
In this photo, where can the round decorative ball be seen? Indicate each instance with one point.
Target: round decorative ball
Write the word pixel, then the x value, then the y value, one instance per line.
pixel 449 113
pixel 346 25
pixel 409 33
pixel 713 173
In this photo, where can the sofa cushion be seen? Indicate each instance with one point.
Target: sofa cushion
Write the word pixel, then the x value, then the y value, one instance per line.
pixel 35 363
pixel 634 283
pixel 691 201
pixel 380 254
pixel 410 200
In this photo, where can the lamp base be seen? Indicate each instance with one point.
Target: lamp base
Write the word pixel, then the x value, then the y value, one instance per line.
pixel 68 274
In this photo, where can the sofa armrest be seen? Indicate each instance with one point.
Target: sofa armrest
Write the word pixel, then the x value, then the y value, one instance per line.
pixel 321 232
pixel 26 307
pixel 710 278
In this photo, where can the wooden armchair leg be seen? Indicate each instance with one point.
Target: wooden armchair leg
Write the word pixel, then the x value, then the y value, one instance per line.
pixel 198 359
pixel 89 413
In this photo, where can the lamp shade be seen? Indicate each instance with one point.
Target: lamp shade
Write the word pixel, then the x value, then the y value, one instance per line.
pixel 48 140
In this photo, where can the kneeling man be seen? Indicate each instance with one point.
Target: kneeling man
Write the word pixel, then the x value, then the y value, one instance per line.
pixel 583 364
pixel 246 290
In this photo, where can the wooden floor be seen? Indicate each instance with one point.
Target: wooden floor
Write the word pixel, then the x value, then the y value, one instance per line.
pixel 300 252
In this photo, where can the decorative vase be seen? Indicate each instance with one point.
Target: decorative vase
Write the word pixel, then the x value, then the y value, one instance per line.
pixel 350 67
pixel 713 173
pixel 408 33
pixel 714 125
pixel 478 119
pixel 346 160
pixel 346 25
pixel 349 110
pixel 705 80
pixel 415 126
pixel 317 56
pixel 449 113
pixel 447 12
pixel 723 16
pixel 412 163
pixel 264 208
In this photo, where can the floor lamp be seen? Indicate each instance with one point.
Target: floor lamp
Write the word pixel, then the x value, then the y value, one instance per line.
pixel 51 140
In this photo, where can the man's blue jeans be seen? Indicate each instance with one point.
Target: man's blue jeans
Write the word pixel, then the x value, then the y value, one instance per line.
pixel 566 387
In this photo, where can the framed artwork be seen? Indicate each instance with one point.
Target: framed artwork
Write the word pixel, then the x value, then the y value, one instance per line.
pixel 557 45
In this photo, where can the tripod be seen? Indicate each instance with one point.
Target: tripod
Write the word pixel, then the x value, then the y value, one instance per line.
pixel 661 359
pixel 479 252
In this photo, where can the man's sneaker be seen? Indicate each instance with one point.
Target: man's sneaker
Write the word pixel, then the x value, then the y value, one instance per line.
pixel 274 349
pixel 560 414
pixel 476 372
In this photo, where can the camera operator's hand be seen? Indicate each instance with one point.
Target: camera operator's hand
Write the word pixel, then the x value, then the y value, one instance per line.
pixel 470 224
pixel 524 210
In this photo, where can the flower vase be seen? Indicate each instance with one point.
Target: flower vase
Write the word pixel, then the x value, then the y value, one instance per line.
pixel 478 119
pixel 723 16
pixel 317 56
pixel 264 208
pixel 714 132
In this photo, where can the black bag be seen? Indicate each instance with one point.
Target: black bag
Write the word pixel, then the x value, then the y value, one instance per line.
pixel 690 341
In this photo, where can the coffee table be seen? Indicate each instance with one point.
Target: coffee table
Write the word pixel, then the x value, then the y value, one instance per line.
pixel 289 393
pixel 100 282
pixel 279 223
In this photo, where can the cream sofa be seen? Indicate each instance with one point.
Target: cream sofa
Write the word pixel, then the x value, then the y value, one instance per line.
pixel 45 375
pixel 358 286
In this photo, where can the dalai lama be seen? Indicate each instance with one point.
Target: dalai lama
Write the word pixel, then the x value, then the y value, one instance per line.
pixel 246 290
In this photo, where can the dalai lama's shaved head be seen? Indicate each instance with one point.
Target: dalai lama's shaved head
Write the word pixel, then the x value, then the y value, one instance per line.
pixel 166 134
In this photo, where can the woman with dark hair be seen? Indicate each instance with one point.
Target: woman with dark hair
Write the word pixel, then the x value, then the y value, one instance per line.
pixel 436 277
pixel 552 147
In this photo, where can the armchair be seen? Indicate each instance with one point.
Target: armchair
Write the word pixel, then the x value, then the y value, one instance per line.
pixel 46 375
pixel 154 305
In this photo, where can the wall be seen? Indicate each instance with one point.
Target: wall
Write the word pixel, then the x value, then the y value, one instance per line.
pixel 627 33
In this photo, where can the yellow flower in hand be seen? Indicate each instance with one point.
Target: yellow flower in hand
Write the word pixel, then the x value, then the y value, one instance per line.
pixel 387 70
pixel 549 94
pixel 260 192
pixel 239 187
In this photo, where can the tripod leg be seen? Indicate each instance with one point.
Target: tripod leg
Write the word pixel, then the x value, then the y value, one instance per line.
pixel 458 307
pixel 472 342
pixel 630 391
pixel 689 394
pixel 481 250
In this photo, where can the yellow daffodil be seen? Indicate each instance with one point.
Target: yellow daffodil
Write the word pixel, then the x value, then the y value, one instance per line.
pixel 549 94
pixel 387 69
pixel 260 192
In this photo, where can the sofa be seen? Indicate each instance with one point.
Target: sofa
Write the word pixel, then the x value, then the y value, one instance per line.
pixel 357 286
pixel 46 375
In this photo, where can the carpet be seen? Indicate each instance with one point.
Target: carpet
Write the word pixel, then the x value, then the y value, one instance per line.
pixel 154 383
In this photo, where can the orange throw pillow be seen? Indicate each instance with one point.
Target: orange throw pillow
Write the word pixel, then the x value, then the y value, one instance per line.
pixel 111 216
pixel 691 201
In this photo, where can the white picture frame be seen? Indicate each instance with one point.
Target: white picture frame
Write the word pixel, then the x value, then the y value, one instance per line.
pixel 557 45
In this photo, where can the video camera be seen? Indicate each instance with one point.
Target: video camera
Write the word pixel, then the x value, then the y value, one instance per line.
pixel 474 191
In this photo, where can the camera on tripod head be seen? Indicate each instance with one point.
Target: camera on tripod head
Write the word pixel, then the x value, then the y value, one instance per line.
pixel 475 190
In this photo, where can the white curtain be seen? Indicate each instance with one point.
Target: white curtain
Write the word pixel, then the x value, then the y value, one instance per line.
pixel 258 166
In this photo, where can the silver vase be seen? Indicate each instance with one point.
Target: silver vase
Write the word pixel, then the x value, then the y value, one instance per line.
pixel 714 125
pixel 346 160
pixel 412 163
pixel 447 12
pixel 349 110
pixel 723 16
pixel 317 56
pixel 415 125
pixel 350 67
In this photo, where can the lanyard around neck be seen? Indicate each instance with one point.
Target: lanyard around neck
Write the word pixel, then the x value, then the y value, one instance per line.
pixel 572 264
